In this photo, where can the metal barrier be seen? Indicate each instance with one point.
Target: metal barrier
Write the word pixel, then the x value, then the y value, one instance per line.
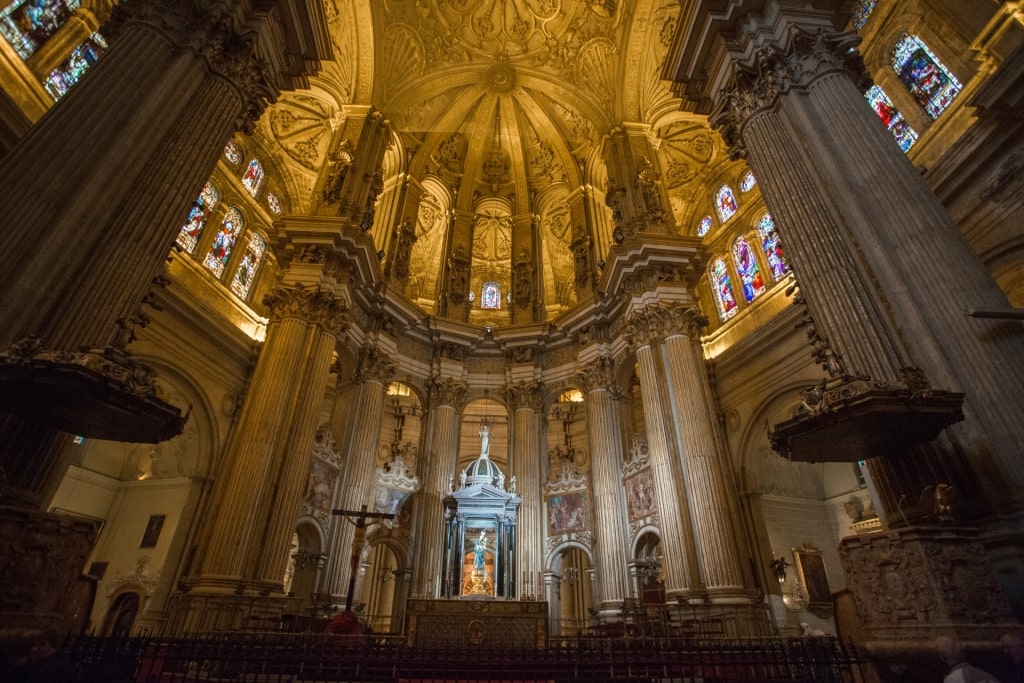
pixel 280 658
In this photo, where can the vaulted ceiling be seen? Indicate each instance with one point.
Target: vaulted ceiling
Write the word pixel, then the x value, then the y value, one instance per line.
pixel 501 105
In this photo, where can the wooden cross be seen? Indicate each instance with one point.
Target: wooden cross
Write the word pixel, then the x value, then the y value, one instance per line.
pixel 359 519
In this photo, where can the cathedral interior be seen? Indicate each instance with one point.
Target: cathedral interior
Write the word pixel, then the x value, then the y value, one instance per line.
pixel 703 309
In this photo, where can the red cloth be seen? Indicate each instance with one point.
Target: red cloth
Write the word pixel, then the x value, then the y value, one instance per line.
pixel 345 623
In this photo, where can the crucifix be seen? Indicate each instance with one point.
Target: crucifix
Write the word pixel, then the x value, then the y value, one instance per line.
pixel 359 520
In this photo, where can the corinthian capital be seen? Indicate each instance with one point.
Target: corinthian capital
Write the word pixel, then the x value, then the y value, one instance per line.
pixel 312 305
pixel 525 395
pixel 374 366
pixel 221 35
pixel 597 375
pixel 446 392
pixel 756 85
pixel 655 322
pixel 686 321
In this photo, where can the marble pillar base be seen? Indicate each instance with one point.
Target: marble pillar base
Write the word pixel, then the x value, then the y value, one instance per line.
pixel 41 569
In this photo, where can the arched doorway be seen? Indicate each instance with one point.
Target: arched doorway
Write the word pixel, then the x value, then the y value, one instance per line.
pixel 380 576
pixel 572 594
pixel 121 616
pixel 305 559
pixel 646 569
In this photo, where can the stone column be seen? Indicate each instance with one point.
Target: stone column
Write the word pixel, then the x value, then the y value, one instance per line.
pixel 634 193
pixel 679 565
pixel 446 400
pixel 98 189
pixel 373 375
pixel 710 488
pixel 526 402
pixel 259 489
pixel 885 271
pixel 609 519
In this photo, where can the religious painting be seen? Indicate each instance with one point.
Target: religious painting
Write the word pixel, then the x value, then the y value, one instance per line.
pixel 320 487
pixel 479 544
pixel 567 513
pixel 152 532
pixel 811 566
pixel 640 496
pixel 389 500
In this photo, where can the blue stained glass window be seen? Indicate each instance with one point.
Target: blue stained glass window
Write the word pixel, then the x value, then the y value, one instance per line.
pixel 28 24
pixel 722 285
pixel 193 228
pixel 725 202
pixel 749 272
pixel 253 177
pixel 772 247
pixel 74 67
pixel 893 120
pixel 490 295
pixel 224 242
pixel 748 182
pixel 931 83
pixel 862 12
pixel 705 225
pixel 250 263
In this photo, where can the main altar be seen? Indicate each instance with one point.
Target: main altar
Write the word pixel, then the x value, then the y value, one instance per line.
pixel 478 591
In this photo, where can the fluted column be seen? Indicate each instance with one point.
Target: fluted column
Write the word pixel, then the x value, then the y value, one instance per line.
pixel 111 171
pixel 679 566
pixel 258 493
pixel 373 375
pixel 884 269
pixel 609 518
pixel 710 489
pixel 446 399
pixel 526 401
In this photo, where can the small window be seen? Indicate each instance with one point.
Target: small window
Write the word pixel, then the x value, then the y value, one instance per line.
pixel 253 178
pixel 28 24
pixel 705 225
pixel 246 271
pixel 490 295
pixel 748 182
pixel 746 266
pixel 197 215
pixel 224 242
pixel 862 12
pixel 893 120
pixel 233 153
pixel 725 202
pixel 74 67
pixel 925 77
pixel 274 202
pixel 722 285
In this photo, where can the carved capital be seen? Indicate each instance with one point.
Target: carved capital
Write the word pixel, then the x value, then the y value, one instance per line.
pixel 686 321
pixel 374 366
pixel 597 375
pixel 211 30
pixel 755 87
pixel 525 395
pixel 315 306
pixel 654 322
pixel 446 392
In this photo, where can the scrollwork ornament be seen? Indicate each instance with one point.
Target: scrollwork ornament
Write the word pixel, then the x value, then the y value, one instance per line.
pixel 597 375
pixel 446 392
pixel 311 305
pixel 525 395
pixel 374 365
pixel 686 321
pixel 645 326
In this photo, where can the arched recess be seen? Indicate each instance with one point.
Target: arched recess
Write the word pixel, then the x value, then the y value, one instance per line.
pixel 305 560
pixel 569 584
pixel 384 574
pixel 495 414
pixel 124 609
pixel 645 567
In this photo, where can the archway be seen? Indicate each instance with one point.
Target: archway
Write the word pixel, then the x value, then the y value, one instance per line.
pixel 646 569
pixel 571 592
pixel 121 616
pixel 305 559
pixel 380 577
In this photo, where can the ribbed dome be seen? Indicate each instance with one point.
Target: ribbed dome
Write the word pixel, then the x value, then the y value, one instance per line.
pixel 483 471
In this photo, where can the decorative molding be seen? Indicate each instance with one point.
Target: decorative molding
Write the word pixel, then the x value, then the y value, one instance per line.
pixel 314 306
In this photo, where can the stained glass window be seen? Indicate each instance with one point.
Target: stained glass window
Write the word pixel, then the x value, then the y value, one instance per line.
pixel 746 266
pixel 232 152
pixel 274 202
pixel 748 182
pixel 74 67
pixel 250 263
pixel 861 13
pixel 490 295
pixel 705 225
pixel 253 177
pixel 931 83
pixel 220 251
pixel 772 247
pixel 723 290
pixel 197 215
pixel 27 24
pixel 725 202
pixel 893 120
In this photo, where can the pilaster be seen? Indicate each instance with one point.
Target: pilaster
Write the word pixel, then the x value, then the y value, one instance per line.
pixel 526 403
